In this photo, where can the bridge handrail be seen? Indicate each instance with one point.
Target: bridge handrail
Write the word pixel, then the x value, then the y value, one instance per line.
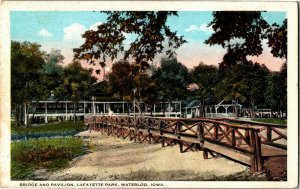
pixel 254 123
pixel 242 139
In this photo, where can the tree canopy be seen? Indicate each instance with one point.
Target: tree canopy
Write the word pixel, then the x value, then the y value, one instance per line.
pixel 153 35
pixel 277 36
pixel 76 83
pixel 171 79
pixel 242 32
pixel 51 72
pixel 244 83
pixel 121 81
pixel 206 77
pixel 26 63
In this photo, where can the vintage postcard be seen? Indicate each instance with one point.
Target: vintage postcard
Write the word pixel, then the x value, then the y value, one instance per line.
pixel 140 94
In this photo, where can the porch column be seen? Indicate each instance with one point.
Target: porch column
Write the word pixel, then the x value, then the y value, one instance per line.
pixel 123 106
pixel 25 114
pixel 216 109
pixel 83 108
pixel 46 116
pixel 226 107
pixel 180 108
pixel 66 110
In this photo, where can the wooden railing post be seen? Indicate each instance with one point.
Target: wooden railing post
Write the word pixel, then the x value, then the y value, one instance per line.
pixel 205 154
pixel 253 151
pixel 216 131
pixel 135 129
pixel 200 131
pixel 269 134
pixel 259 160
pixel 233 137
pixel 256 157
pixel 247 135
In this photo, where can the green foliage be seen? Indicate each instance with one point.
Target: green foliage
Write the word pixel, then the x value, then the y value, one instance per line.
pixel 274 121
pixel 171 79
pixel 49 128
pixel 206 77
pixel 125 77
pixel 277 36
pixel 77 83
pixel 48 154
pixel 276 90
pixel 244 82
pixel 240 32
pixel 26 63
pixel 52 71
pixel 121 80
pixel 149 27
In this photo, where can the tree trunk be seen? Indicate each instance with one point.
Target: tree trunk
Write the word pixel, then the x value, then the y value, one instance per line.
pixel 21 115
pixel 203 108
pixel 236 108
pixel 29 120
pixel 17 114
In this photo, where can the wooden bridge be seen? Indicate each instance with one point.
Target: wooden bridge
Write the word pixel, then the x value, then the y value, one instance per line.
pixel 247 142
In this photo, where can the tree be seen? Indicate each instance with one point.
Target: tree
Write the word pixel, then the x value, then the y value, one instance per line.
pixel 276 90
pixel 125 77
pixel 108 40
pixel 77 84
pixel 26 63
pixel 240 32
pixel 277 36
pixel 171 79
pixel 244 82
pixel 121 81
pixel 51 71
pixel 205 77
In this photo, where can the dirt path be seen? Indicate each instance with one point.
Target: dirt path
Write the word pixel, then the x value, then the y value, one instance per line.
pixel 114 158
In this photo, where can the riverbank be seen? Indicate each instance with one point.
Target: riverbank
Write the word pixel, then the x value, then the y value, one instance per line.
pixel 113 158
pixel 49 147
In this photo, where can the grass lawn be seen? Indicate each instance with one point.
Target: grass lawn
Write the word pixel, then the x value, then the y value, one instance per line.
pixel 65 126
pixel 270 120
pixel 43 153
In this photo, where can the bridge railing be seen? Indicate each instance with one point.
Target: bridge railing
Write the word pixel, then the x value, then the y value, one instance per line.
pixel 239 142
pixel 271 134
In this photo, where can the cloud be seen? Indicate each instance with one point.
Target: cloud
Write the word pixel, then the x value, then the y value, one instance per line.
pixel 95 26
pixel 73 32
pixel 45 33
pixel 201 28
pixel 192 28
pixel 206 29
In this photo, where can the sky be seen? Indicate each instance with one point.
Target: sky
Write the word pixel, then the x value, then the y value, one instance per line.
pixel 62 30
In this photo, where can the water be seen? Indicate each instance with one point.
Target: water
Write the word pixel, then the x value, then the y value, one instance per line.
pixel 42 135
